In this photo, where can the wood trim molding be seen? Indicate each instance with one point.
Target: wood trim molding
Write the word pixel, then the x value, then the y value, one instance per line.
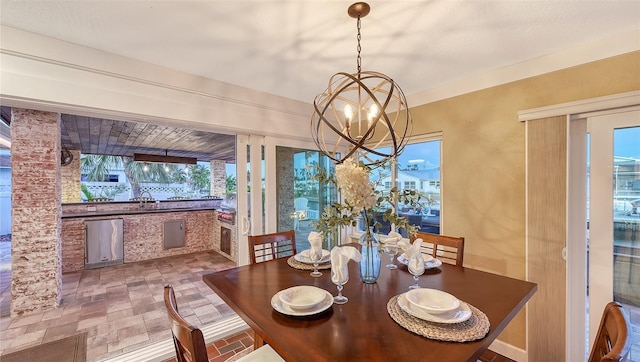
pixel 587 105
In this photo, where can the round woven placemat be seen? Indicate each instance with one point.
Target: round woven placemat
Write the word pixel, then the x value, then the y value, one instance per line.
pixel 302 266
pixel 472 329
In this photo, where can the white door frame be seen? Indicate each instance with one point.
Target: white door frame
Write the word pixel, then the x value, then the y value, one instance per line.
pixel 245 223
pixel 602 127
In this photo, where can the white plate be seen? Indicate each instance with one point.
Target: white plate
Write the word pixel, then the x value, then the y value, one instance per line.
pixel 456 316
pixel 303 297
pixel 432 301
pixel 321 307
pixel 433 263
pixel 303 257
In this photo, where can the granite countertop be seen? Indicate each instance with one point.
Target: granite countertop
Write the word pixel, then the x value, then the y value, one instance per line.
pixel 134 212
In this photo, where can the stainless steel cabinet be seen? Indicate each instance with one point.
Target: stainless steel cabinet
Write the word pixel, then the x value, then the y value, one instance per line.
pixel 173 234
pixel 103 243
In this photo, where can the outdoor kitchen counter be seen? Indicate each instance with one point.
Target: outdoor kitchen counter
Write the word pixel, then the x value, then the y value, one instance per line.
pixel 148 210
pixel 143 229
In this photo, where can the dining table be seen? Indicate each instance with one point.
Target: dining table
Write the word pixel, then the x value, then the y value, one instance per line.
pixel 364 328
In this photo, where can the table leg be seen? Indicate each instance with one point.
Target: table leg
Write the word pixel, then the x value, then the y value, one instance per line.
pixel 257 341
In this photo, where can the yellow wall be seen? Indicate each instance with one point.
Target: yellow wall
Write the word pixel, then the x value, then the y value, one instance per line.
pixel 483 159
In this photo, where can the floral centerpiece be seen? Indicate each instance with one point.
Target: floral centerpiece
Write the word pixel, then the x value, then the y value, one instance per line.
pixel 363 201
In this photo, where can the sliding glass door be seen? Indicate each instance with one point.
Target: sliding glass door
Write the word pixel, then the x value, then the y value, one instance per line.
pixel 300 197
pixel 613 214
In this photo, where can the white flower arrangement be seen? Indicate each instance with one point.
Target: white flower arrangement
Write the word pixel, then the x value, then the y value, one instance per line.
pixel 361 199
pixel 353 181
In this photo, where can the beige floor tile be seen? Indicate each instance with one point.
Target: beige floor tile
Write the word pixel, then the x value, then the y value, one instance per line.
pixel 157 313
pixel 121 314
pixel 25 320
pixel 94 321
pixel 120 307
pixel 129 341
pixel 26 339
pixel 52 314
pixel 127 322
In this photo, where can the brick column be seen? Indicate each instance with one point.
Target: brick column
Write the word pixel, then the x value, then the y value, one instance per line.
pixel 36 283
pixel 218 178
pixel 71 180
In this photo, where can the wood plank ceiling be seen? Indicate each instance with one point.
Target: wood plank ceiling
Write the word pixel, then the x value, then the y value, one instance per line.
pixel 124 138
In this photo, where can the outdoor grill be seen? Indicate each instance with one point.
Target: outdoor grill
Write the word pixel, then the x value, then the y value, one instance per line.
pixel 227 211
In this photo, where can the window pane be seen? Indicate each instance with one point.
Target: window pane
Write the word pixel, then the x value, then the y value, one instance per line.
pixel 418 168
pixel 626 217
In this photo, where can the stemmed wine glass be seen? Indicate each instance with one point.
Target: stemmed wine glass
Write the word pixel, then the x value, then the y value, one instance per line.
pixel 416 268
pixel 340 299
pixel 391 249
pixel 315 258
pixel 339 281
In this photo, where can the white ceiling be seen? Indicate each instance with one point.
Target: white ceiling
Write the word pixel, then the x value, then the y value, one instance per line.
pixel 291 48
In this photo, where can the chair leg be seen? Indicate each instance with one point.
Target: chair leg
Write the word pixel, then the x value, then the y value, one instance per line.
pixel 257 341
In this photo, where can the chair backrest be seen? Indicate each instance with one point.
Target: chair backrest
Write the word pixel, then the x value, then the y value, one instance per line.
pixel 300 203
pixel 612 342
pixel 272 246
pixel 187 339
pixel 448 249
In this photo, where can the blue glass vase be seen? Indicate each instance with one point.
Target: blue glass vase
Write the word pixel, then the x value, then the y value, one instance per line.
pixel 371 261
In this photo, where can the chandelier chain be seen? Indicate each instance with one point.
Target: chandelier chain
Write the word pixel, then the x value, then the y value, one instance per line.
pixel 359 59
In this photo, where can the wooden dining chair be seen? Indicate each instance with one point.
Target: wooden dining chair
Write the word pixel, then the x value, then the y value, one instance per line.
pixel 613 340
pixel 272 246
pixel 448 249
pixel 187 339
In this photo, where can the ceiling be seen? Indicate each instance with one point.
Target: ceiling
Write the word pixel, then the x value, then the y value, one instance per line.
pixel 108 137
pixel 291 47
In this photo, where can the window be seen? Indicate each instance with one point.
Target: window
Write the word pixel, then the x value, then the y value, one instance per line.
pixel 419 164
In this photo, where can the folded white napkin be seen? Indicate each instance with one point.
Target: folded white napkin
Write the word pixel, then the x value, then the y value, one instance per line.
pixel 413 252
pixel 409 249
pixel 393 238
pixel 340 256
pixel 315 239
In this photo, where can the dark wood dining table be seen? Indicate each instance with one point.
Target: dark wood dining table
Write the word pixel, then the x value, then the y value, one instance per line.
pixel 362 329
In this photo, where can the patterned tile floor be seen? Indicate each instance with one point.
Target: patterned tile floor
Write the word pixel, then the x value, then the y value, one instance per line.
pixel 121 307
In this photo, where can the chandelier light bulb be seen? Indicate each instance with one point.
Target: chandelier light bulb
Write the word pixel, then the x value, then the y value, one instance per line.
pixel 373 113
pixel 348 112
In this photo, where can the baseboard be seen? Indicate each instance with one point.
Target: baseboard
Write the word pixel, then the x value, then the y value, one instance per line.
pixel 509 351
pixel 163 350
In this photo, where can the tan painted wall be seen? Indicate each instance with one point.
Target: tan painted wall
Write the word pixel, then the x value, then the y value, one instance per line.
pixel 483 172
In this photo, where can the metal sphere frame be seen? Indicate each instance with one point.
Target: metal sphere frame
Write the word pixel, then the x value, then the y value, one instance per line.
pixel 366 112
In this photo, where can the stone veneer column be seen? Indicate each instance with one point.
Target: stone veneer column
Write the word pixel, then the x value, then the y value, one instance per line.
pixel 218 178
pixel 285 185
pixel 36 267
pixel 71 180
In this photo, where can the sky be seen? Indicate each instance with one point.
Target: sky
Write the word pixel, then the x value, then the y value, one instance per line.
pixel 627 142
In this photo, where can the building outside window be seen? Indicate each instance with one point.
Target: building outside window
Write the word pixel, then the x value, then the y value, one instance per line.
pixel 418 168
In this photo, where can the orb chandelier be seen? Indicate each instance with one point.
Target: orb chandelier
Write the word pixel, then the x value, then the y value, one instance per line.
pixel 365 113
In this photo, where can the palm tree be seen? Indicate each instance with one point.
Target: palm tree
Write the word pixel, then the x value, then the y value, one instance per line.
pixel 97 167
pixel 200 179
